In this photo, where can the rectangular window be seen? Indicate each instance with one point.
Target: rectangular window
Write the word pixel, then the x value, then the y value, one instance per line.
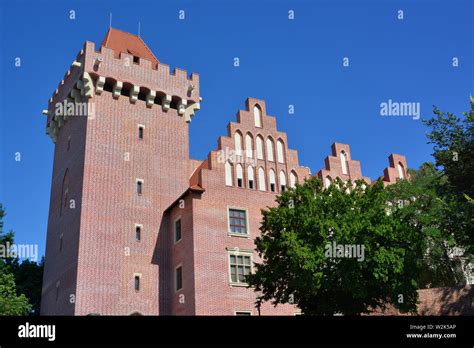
pixel 140 132
pixel 137 283
pixel 139 187
pixel 272 187
pixel 238 221
pixel 177 230
pixel 240 267
pixel 239 182
pixel 179 278
pixel 138 233
pixel 251 184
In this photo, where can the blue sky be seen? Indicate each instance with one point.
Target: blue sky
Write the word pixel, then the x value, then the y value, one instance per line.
pixel 282 61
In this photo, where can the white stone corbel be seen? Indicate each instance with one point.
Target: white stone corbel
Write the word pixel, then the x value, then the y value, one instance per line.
pixel 88 85
pixel 76 64
pixel 182 106
pixel 190 110
pixel 134 94
pixel 76 95
pixel 150 98
pixel 99 88
pixel 45 112
pixel 117 89
pixel 166 102
pixel 80 86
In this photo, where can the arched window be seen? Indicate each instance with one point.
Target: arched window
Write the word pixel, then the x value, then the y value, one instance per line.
pixel 64 192
pixel 343 157
pixel 327 181
pixel 240 176
pixel 282 181
pixel 261 179
pixel 238 143
pixel 401 171
pixel 257 116
pixel 228 173
pixel 249 145
pixel 250 177
pixel 270 156
pixel 272 179
pixel 280 157
pixel 259 147
pixel 293 179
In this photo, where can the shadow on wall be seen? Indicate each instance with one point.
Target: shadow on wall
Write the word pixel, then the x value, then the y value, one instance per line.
pixel 446 301
pixel 441 301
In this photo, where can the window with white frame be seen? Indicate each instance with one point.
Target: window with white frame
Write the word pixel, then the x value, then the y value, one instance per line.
pixel 282 181
pixel 240 267
pixel 240 176
pixel 249 145
pixel 238 143
pixel 280 155
pixel 272 179
pixel 401 171
pixel 238 221
pixel 343 157
pixel 270 156
pixel 293 179
pixel 228 173
pixel 261 179
pixel 257 116
pixel 259 147
pixel 250 177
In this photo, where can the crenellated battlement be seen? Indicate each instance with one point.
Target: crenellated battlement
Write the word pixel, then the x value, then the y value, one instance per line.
pixel 126 74
pixel 141 72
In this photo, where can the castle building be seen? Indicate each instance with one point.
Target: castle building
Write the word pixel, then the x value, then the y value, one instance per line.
pixel 136 226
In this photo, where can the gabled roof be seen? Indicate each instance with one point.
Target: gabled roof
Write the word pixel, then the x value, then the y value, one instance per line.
pixel 122 42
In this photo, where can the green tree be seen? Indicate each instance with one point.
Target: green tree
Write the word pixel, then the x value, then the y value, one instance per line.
pixel 453 140
pixel 10 302
pixel 425 192
pixel 24 278
pixel 294 241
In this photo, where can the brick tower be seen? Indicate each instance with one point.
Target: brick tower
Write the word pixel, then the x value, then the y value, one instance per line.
pixel 119 121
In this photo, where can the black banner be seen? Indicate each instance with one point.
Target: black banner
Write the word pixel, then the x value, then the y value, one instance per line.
pixel 223 331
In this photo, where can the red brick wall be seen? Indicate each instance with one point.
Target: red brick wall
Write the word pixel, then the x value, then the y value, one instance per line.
pixel 442 301
pixel 106 252
pixel 213 292
pixel 61 265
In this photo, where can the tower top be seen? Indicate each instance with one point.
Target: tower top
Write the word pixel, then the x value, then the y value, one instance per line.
pixel 122 42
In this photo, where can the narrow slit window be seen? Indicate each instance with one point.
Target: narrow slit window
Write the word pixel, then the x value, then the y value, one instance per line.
pixel 137 283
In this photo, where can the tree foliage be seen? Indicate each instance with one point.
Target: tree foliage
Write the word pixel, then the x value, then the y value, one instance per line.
pixel 20 282
pixel 294 240
pixel 453 140
pixel 424 191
